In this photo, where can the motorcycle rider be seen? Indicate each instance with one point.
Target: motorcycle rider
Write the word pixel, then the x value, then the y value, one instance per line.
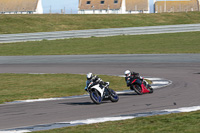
pixel 133 75
pixel 95 79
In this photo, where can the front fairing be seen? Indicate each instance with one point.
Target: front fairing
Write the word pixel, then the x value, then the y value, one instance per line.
pixel 100 90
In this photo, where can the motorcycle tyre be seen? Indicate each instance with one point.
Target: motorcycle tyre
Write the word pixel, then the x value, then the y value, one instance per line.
pixel 138 89
pixel 98 97
pixel 113 94
pixel 150 90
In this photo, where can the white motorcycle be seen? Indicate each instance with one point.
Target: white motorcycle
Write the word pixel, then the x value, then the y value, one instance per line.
pixel 98 93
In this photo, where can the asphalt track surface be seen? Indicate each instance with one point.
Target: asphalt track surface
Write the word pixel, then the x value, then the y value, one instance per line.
pixel 182 69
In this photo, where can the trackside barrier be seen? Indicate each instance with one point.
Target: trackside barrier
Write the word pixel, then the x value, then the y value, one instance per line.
pixel 22 37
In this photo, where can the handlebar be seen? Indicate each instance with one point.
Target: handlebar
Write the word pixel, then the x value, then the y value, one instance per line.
pixel 91 83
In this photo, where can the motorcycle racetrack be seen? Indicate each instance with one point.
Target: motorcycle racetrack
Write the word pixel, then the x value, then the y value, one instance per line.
pixel 182 69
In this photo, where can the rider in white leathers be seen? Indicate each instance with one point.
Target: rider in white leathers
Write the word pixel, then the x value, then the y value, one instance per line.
pixel 95 79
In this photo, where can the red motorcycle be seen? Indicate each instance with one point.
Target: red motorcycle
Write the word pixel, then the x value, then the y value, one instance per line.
pixel 140 86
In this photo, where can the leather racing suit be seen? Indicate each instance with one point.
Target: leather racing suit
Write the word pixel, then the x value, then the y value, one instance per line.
pixel 133 76
pixel 95 79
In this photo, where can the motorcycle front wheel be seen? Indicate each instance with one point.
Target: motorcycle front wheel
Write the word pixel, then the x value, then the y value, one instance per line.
pixel 150 90
pixel 113 96
pixel 95 96
pixel 137 89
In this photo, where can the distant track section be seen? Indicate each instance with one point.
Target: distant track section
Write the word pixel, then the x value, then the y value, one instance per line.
pixel 23 37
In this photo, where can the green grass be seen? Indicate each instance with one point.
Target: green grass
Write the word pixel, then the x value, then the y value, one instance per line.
pixel 136 44
pixel 55 22
pixel 172 123
pixel 33 86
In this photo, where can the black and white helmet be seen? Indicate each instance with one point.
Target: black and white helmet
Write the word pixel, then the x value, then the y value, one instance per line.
pixel 89 76
pixel 127 73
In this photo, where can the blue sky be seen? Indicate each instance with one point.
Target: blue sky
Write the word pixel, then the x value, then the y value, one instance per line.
pixel 57 5
pixel 71 6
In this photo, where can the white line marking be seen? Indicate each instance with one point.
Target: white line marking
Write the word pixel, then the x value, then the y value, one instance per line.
pixel 14 131
pixel 161 82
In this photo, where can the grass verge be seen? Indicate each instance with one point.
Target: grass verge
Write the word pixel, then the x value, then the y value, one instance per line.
pixel 172 123
pixel 10 24
pixel 33 86
pixel 187 42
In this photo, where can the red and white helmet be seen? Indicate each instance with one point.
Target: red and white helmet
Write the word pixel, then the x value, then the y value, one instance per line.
pixel 127 73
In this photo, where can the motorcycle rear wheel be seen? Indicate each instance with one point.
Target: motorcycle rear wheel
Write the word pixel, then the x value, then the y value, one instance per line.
pixel 150 90
pixel 95 96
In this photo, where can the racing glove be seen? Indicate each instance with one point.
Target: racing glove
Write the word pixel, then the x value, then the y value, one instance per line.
pixel 86 89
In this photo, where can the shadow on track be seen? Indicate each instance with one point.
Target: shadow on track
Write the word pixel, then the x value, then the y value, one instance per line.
pixel 128 94
pixel 83 103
